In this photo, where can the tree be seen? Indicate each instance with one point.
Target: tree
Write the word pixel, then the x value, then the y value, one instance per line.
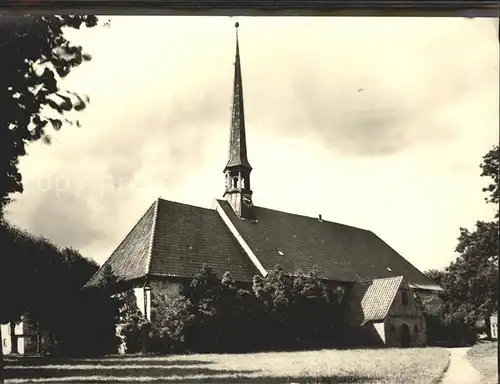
pixel 436 275
pixel 490 168
pixel 36 55
pixel 47 283
pixel 94 312
pixel 471 283
pixel 288 302
pixel 14 256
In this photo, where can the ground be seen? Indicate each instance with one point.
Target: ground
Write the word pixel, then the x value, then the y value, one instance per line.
pixel 483 356
pixel 460 370
pixel 424 365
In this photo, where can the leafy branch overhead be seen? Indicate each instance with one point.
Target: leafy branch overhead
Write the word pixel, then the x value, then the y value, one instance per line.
pixel 36 56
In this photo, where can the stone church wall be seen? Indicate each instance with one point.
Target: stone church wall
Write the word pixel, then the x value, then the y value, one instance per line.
pixel 404 313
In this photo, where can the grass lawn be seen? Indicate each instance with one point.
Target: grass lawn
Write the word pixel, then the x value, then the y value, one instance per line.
pixel 327 366
pixel 483 356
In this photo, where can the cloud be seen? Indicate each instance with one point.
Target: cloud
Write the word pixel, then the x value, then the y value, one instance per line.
pixel 405 71
pixel 69 209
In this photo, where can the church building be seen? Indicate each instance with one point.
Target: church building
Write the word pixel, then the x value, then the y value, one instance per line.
pixel 172 240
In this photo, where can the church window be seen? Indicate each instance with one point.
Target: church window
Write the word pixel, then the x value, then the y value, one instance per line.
pixel 404 297
pixel 235 182
pixel 415 328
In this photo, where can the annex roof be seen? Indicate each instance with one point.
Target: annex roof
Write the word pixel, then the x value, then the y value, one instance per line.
pixel 371 300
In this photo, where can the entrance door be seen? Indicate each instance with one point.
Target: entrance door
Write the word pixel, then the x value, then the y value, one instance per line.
pixel 405 335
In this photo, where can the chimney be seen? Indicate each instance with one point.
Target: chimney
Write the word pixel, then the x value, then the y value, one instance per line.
pixel 320 219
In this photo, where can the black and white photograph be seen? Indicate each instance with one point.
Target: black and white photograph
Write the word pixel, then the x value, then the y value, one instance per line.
pixel 215 199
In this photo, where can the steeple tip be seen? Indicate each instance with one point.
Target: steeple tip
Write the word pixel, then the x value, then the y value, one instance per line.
pixel 237 170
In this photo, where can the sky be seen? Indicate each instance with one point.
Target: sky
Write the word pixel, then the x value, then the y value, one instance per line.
pixel 379 123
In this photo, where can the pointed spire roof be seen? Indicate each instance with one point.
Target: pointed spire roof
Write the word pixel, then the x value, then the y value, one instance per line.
pixel 237 139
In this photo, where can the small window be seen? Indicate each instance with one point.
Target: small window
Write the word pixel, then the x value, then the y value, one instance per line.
pixel 4 342
pixel 415 328
pixel 392 329
pixel 404 297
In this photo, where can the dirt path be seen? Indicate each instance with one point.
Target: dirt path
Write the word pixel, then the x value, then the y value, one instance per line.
pixel 460 370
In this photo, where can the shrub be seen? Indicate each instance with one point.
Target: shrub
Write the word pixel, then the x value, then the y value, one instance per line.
pixel 214 315
pixel 173 331
pixel 134 331
pixel 443 329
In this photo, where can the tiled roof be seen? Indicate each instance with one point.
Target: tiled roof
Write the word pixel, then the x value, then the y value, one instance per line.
pixel 130 259
pixel 371 300
pixel 174 239
pixel 187 236
pixel 340 252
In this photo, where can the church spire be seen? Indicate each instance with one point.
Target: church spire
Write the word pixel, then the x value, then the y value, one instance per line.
pixel 237 140
pixel 237 170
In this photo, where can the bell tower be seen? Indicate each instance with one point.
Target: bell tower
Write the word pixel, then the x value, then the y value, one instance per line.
pixel 237 171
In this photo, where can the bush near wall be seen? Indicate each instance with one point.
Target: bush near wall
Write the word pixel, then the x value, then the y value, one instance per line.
pixel 213 315
pixel 443 330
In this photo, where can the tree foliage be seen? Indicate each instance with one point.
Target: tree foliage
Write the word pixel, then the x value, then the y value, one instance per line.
pixel 490 168
pixel 45 282
pixel 215 314
pixel 436 275
pixel 289 301
pixel 35 57
pixel 470 282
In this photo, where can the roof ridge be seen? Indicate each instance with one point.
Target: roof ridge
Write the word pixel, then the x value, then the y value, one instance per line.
pixel 239 238
pixel 152 236
pixel 185 204
pixel 388 278
pixel 308 217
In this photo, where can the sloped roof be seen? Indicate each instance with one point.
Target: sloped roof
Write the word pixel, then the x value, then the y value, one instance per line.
pixel 371 300
pixel 130 259
pixel 341 252
pixel 174 239
pixel 187 236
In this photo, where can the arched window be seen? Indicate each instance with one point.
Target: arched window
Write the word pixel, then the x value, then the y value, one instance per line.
pixel 415 328
pixel 404 297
